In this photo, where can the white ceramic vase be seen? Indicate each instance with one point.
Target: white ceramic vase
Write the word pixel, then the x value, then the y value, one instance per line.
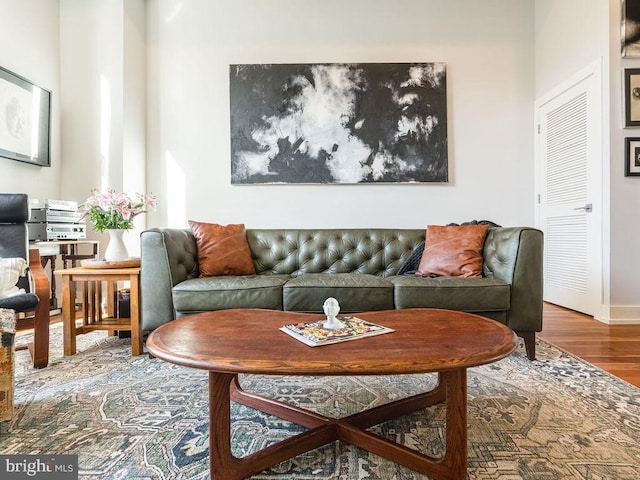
pixel 116 249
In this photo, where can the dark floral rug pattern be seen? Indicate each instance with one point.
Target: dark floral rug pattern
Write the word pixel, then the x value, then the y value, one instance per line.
pixel 557 418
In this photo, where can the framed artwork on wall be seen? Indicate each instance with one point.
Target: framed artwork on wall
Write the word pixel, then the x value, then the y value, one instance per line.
pixel 25 120
pixel 630 28
pixel 337 123
pixel 632 97
pixel 632 159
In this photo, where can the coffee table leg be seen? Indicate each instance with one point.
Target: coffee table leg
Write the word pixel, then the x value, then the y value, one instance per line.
pixel 453 464
pixel 451 389
pixel 220 425
pixel 455 456
pixel 224 466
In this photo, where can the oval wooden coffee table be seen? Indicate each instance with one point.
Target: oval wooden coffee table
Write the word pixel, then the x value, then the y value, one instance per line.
pixel 248 341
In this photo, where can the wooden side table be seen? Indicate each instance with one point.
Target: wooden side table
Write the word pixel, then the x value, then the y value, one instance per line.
pixel 92 281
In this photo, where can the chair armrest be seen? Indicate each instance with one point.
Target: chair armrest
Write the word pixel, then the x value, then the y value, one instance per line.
pixel 39 282
pixel 40 348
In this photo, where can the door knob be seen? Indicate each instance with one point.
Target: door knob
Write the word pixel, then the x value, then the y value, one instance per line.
pixel 587 208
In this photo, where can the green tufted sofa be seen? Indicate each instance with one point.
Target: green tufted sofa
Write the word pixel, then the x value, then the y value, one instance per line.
pixel 298 269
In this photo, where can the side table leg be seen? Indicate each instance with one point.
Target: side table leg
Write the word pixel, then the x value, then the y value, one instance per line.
pixel 112 302
pixel 134 308
pixel 69 315
pixel 53 301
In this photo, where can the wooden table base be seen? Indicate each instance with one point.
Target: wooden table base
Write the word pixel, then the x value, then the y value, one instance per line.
pixel 451 389
pixel 93 282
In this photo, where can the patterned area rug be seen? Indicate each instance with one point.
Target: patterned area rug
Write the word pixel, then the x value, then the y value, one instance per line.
pixel 140 418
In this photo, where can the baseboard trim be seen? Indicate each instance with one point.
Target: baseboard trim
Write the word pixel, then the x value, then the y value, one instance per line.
pixel 619 314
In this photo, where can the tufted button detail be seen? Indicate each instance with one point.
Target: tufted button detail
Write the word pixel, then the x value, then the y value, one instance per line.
pixel 376 252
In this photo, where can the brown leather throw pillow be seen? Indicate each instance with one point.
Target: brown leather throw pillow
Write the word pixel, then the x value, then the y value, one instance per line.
pixel 453 251
pixel 222 249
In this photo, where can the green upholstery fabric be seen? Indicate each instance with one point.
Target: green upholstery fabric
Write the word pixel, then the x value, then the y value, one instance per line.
pixel 299 269
pixel 355 292
pixel 376 252
pixel 167 257
pixel 514 255
pixel 455 293
pixel 218 293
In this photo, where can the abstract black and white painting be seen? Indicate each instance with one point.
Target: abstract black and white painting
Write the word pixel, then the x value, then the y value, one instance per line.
pixel 630 34
pixel 338 123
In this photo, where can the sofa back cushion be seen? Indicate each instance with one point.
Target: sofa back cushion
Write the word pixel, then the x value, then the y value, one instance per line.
pixel 277 251
pixel 370 251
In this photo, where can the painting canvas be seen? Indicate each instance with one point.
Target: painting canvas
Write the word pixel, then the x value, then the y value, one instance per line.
pixel 338 123
pixel 630 33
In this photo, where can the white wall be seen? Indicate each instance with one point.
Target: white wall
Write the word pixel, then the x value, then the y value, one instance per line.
pixel 500 55
pixel 625 191
pixel 488 49
pixel 103 82
pixel 30 48
pixel 91 77
pixel 570 34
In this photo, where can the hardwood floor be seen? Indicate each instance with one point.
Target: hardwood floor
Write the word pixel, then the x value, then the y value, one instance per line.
pixel 614 348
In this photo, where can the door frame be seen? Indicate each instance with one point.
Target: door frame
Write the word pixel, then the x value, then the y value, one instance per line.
pixel 599 267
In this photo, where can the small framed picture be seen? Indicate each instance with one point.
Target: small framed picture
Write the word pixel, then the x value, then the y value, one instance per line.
pixel 632 162
pixel 632 97
pixel 25 123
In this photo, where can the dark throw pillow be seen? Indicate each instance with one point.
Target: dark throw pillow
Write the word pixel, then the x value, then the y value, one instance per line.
pixel 411 264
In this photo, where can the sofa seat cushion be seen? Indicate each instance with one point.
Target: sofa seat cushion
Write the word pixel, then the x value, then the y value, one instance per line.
pixel 223 292
pixel 453 293
pixel 356 292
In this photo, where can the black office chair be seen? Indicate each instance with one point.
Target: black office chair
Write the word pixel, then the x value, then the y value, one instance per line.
pixel 14 242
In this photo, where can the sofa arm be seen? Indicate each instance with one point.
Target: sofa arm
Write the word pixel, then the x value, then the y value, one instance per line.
pixel 168 256
pixel 514 255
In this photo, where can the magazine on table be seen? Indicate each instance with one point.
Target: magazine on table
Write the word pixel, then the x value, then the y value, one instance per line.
pixel 314 334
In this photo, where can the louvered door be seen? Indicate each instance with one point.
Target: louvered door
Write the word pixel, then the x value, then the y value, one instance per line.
pixel 569 159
